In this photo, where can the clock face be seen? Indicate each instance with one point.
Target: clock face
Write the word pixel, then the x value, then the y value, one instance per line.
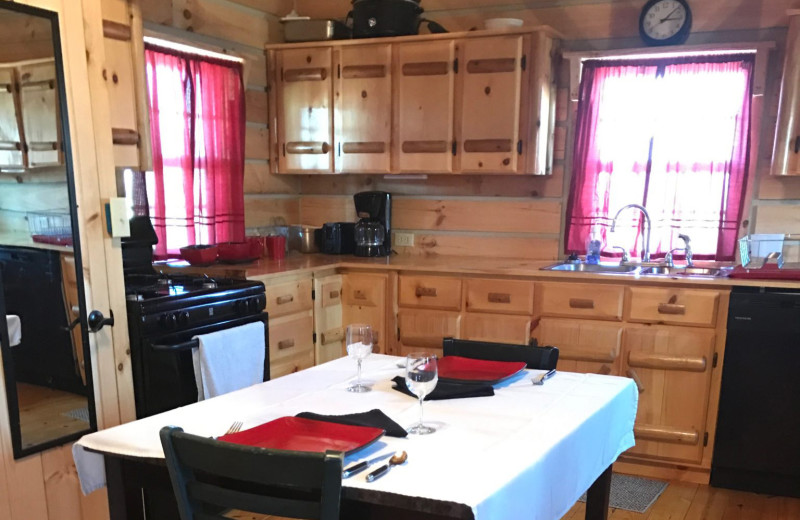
pixel 665 21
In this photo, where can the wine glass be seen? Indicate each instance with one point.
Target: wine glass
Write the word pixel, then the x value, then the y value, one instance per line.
pixel 359 346
pixel 422 374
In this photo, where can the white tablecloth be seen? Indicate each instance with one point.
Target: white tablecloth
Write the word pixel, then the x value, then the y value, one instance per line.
pixel 14 329
pixel 526 452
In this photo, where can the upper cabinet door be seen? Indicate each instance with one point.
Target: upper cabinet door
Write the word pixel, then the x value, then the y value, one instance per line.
pixel 489 104
pixel 363 115
pixel 10 139
pixel 305 115
pixel 424 104
pixel 40 118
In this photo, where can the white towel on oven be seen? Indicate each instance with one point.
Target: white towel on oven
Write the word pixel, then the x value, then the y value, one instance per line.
pixel 14 329
pixel 229 360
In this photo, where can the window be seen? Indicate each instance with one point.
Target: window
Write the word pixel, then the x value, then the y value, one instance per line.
pixel 669 134
pixel 195 194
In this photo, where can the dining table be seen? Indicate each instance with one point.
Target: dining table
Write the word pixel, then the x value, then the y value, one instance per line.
pixel 528 451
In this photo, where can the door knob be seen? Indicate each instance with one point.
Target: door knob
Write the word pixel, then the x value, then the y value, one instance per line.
pixel 97 321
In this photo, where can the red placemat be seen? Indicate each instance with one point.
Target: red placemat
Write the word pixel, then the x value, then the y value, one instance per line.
pixel 468 370
pixel 297 434
pixel 768 272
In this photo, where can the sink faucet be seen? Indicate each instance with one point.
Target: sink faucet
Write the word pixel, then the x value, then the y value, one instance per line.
pixel 646 248
pixel 686 247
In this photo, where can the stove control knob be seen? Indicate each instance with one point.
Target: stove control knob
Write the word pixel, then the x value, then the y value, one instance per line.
pixel 183 318
pixel 246 306
pixel 163 321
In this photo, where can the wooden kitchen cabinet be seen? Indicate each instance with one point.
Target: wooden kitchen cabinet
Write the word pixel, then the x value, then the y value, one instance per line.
pixel 422 329
pixel 364 300
pixel 304 110
pixel 584 346
pixel 328 325
pixel 499 296
pixel 363 109
pixel 673 306
pixel 496 328
pixel 430 292
pixel 424 105
pixel 491 76
pixel 30 123
pixel 672 370
pixel 580 300
pixel 38 92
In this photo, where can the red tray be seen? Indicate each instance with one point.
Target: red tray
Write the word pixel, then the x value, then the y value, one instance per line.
pixel 459 369
pixel 297 434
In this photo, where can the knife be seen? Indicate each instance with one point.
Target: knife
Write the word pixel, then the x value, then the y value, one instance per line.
pixel 541 378
pixel 364 464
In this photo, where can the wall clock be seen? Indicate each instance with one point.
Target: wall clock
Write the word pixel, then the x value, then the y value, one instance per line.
pixel 665 22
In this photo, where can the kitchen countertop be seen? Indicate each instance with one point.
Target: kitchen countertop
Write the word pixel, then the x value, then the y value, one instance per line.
pixel 18 239
pixel 516 267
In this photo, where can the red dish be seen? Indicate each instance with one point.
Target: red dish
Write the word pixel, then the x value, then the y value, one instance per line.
pixel 467 370
pixel 298 434
pixel 199 255
pixel 235 252
pixel 768 272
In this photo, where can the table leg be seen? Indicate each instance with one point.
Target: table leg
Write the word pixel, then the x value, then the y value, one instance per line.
pixel 597 497
pixel 124 497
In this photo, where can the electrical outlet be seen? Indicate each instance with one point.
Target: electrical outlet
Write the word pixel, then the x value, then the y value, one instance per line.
pixel 404 239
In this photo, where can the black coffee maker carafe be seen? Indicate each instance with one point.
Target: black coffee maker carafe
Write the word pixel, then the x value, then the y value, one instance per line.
pixel 373 233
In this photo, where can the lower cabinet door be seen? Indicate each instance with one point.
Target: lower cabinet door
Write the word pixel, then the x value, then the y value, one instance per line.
pixel 583 345
pixel 672 369
pixel 496 328
pixel 364 301
pixel 425 329
pixel 291 336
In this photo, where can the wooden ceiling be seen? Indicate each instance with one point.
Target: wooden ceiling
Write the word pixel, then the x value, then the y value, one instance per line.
pixel 576 19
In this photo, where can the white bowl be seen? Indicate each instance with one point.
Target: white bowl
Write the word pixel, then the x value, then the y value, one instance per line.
pixel 502 23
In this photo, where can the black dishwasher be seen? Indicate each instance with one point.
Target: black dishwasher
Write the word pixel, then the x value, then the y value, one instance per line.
pixel 757 445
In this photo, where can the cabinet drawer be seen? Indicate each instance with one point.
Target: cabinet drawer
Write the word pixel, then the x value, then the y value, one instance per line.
pixel 422 329
pixel 291 336
pixel 498 329
pixel 291 365
pixel 430 292
pixel 581 300
pixel 500 296
pixel 288 298
pixel 585 346
pixel 331 293
pixel 363 290
pixel 673 306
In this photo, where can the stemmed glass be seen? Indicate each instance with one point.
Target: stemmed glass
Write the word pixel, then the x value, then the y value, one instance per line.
pixel 422 374
pixel 359 346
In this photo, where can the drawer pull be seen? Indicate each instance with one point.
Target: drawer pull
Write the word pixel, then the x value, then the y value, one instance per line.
pixel 289 298
pixel 426 291
pixel 311 74
pixel 671 308
pixel 495 297
pixel 376 336
pixel 333 295
pixel 633 375
pixel 285 343
pixel 307 147
pixel 662 434
pixel 358 294
pixel 665 362
pixel 332 336
pixel 581 303
pixel 604 370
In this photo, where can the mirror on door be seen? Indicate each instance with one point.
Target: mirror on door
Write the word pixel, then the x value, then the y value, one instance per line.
pixel 45 354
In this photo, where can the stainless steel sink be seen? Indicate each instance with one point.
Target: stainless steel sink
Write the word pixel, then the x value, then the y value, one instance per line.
pixel 684 271
pixel 592 268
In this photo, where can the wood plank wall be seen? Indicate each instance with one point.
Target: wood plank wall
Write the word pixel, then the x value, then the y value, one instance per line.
pixel 586 25
pixel 240 28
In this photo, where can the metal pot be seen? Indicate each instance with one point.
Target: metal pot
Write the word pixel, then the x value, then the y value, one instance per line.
pixel 373 18
pixel 301 238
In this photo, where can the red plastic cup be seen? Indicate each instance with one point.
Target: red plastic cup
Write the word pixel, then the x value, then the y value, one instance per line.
pixel 258 246
pixel 276 244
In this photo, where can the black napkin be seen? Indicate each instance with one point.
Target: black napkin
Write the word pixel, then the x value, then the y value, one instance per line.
pixel 372 419
pixel 446 390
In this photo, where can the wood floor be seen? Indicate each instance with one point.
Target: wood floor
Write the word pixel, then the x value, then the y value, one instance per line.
pixel 682 501
pixel 41 413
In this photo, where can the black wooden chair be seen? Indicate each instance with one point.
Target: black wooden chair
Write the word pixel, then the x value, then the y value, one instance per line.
pixel 211 477
pixel 541 358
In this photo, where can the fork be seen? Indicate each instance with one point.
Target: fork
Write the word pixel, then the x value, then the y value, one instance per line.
pixel 235 427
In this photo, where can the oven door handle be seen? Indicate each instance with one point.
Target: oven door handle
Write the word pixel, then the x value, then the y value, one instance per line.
pixel 193 343
pixel 186 345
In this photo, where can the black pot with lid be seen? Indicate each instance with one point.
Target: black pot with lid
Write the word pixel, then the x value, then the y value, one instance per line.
pixel 377 18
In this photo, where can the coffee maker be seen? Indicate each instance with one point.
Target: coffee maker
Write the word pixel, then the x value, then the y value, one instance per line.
pixel 373 233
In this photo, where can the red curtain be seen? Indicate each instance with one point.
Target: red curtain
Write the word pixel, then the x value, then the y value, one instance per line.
pixel 197 124
pixel 672 135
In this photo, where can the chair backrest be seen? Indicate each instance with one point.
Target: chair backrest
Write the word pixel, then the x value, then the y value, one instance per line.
pixel 541 358
pixel 211 476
